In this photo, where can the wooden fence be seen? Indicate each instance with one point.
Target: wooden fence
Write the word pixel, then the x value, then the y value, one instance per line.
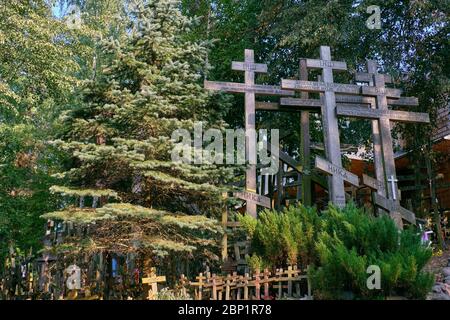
pixel 284 284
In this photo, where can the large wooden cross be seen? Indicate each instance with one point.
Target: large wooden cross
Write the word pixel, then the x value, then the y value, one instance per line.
pixel 329 118
pixel 383 115
pixel 251 90
pixel 388 195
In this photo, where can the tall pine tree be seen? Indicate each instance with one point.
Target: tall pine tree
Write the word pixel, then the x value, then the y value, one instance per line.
pixel 122 187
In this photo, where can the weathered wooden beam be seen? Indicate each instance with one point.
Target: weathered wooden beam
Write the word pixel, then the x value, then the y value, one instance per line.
pixel 257 89
pixel 392 115
pixel 253 198
pixel 331 169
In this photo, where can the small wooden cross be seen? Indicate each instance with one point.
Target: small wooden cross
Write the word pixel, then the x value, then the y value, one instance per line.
pixel 330 122
pixel 152 281
pixel 200 284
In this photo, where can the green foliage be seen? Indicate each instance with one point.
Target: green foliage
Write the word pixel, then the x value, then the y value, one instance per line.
pixel 255 262
pixel 339 246
pixel 353 240
pixel 119 141
pixel 286 237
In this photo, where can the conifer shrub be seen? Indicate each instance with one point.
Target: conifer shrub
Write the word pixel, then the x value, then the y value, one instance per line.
pixel 339 245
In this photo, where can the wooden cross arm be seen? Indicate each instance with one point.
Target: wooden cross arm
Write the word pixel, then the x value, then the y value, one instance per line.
pixel 153 280
pixel 368 113
pixel 284 157
pixel 320 64
pixel 254 198
pixel 368 77
pixel 404 102
pixel 344 98
pixel 248 66
pixel 274 106
pixel 393 206
pixel 318 86
pixel 375 91
pixel 314 104
pixel 258 89
pixel 372 183
pixel 329 168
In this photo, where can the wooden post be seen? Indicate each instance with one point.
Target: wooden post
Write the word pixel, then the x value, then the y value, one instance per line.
pixel 266 284
pixel 279 186
pixel 200 283
pixel 246 280
pixel 305 142
pixel 279 274
pixel 225 235
pixel 257 283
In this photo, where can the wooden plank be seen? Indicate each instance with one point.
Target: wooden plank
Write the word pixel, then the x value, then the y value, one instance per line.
pixel 331 130
pixel 378 91
pixel 320 64
pixel 275 107
pixel 257 89
pixel 249 66
pixel 393 115
pixel 253 198
pixel 373 183
pixel 297 102
pixel 394 206
pixel 368 77
pixel 315 86
pixel 344 98
pixel 267 106
pixel 403 101
pixel 331 169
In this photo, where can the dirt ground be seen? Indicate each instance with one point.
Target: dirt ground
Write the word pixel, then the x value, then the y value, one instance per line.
pixel 437 263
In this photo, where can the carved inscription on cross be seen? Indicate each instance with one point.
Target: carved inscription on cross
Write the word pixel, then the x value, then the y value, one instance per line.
pixel 251 90
pixel 331 169
pixel 329 117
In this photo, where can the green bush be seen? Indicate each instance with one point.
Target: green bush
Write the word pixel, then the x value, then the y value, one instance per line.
pixel 283 238
pixel 339 245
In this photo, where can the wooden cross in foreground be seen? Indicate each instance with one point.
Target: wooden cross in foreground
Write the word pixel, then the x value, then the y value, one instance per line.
pixel 251 90
pixel 152 281
pixel 330 122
